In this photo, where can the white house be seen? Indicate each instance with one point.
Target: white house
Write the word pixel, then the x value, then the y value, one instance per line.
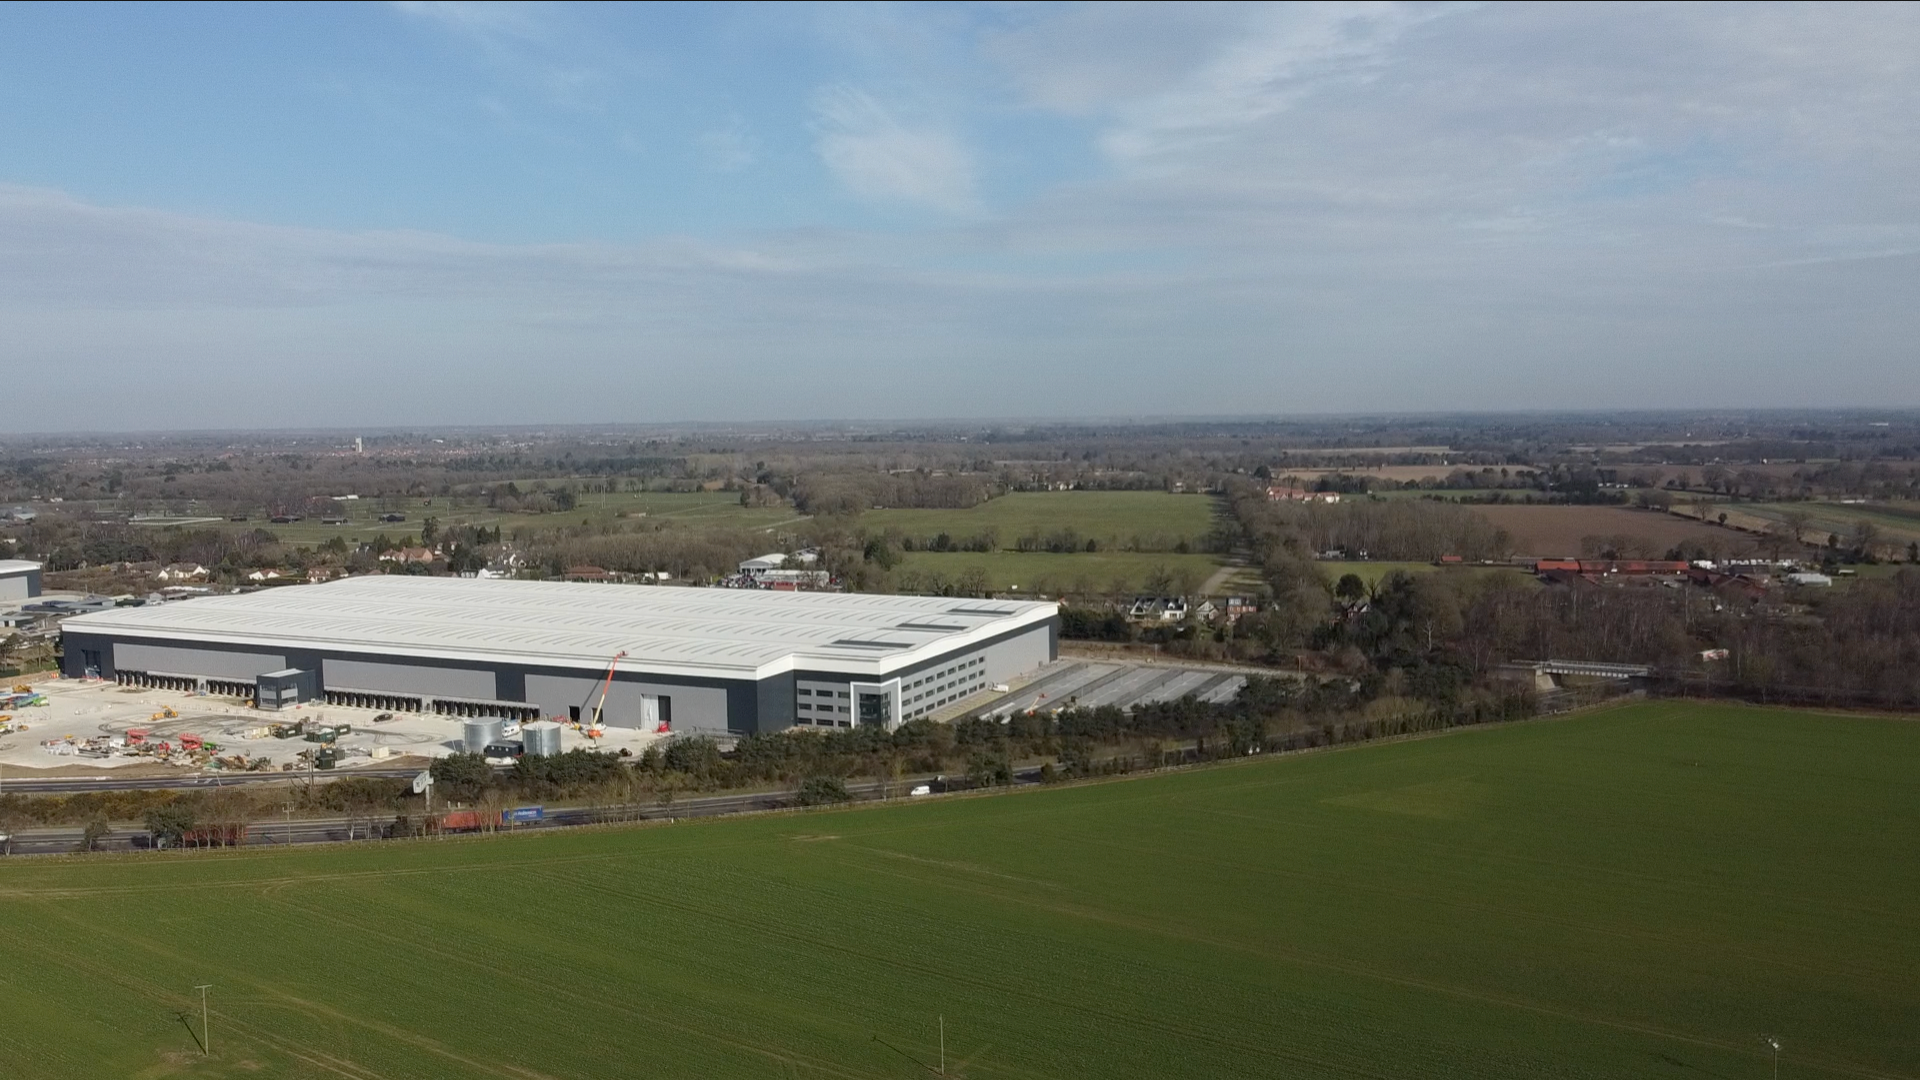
pixel 778 560
pixel 182 572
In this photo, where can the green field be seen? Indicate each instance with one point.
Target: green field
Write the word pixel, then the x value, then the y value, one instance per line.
pixel 1841 518
pixel 1039 572
pixel 715 509
pixel 1638 892
pixel 1112 518
pixel 1371 572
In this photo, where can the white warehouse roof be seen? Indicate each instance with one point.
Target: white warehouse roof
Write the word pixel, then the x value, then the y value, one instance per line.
pixel 16 566
pixel 739 633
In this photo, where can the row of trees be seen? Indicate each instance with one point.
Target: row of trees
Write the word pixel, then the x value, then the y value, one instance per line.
pixel 1856 644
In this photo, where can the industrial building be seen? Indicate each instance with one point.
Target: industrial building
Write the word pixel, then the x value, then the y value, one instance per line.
pixel 19 579
pixel 718 661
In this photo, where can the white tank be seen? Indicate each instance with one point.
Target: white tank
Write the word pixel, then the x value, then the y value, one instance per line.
pixel 479 734
pixel 541 737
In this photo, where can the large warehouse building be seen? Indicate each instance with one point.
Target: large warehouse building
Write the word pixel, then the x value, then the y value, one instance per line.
pixel 19 579
pixel 718 661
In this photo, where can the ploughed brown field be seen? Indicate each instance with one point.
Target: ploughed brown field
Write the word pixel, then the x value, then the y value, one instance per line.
pixel 1556 531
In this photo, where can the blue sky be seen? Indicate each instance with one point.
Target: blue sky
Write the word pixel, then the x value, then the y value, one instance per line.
pixel 543 213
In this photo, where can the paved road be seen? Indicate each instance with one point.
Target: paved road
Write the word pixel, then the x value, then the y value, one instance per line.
pixel 267 833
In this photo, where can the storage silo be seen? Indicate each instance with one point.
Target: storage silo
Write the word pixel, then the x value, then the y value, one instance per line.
pixel 481 733
pixel 542 737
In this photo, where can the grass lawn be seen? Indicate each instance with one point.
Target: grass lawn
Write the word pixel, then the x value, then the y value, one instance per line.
pixel 1638 892
pixel 1113 518
pixel 1087 572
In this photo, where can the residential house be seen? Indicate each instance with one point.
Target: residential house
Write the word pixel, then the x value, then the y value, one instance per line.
pixel 179 572
pixel 776 560
pixel 1288 493
pixel 408 555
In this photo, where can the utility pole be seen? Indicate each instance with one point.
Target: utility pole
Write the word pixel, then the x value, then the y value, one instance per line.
pixel 943 1047
pixel 206 1034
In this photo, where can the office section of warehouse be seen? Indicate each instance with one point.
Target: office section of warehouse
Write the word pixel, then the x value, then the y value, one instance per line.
pixel 714 661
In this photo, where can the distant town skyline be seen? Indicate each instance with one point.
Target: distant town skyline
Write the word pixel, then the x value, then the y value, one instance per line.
pixel 421 215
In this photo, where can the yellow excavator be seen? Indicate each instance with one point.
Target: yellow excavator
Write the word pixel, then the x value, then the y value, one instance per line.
pixel 166 714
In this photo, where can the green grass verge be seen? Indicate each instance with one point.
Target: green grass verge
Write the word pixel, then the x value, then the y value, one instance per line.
pixel 1643 891
pixel 1113 518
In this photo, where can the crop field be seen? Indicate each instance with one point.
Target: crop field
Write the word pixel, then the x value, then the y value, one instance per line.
pixel 1556 531
pixel 1104 572
pixel 1113 519
pixel 1643 891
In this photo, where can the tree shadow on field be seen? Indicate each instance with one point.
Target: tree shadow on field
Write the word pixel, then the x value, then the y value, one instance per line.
pixel 1668 1059
pixel 186 1021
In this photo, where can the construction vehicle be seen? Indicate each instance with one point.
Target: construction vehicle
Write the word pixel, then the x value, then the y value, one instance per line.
pixel 136 736
pixel 165 714
pixel 22 688
pixel 595 728
pixel 191 742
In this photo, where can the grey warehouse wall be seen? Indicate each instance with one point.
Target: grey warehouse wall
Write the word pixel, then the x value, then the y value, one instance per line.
pixel 477 684
pixel 1015 655
pixel 1009 654
pixel 181 660
pixel 695 708
pixel 23 586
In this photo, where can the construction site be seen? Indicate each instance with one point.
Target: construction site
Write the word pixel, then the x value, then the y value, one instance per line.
pixel 77 727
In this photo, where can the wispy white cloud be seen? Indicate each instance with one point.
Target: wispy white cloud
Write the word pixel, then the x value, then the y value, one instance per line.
pixel 527 45
pixel 728 148
pixel 879 155
pixel 1289 53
